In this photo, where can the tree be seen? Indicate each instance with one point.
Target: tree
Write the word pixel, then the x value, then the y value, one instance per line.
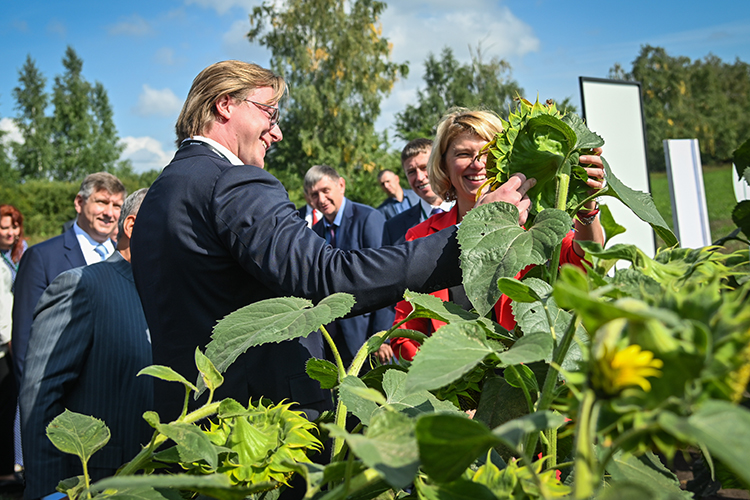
pixel 34 155
pixel 683 99
pixel 336 63
pixel 449 83
pixel 7 173
pixel 106 146
pixel 72 123
pixel 79 138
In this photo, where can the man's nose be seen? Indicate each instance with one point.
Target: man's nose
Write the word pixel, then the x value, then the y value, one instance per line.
pixel 276 134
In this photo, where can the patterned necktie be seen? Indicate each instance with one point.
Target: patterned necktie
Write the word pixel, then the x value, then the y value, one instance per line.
pixel 436 210
pixel 101 250
pixel 331 235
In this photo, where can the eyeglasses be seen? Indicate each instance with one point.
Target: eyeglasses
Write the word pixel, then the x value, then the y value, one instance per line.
pixel 273 112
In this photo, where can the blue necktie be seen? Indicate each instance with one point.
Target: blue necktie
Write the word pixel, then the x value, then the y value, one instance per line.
pixel 101 251
pixel 436 210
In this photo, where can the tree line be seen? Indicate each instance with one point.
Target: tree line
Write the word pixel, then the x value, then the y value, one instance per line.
pixel 337 64
pixel 65 135
pixel 705 99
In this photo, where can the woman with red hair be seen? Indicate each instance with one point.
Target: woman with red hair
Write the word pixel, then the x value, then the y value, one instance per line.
pixel 12 244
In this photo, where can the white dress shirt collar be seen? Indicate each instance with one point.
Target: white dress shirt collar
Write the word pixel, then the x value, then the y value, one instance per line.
pixel 427 208
pixel 233 159
pixel 88 244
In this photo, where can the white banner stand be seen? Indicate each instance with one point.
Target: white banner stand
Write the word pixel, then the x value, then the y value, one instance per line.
pixel 741 189
pixel 613 109
pixel 689 210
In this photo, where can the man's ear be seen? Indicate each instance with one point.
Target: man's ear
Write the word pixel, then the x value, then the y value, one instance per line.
pixel 78 203
pixel 127 225
pixel 342 184
pixel 224 106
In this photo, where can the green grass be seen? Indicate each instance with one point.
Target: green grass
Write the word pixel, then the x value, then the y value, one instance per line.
pixel 717 182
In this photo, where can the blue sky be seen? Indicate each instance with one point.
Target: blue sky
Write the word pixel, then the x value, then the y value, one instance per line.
pixel 147 53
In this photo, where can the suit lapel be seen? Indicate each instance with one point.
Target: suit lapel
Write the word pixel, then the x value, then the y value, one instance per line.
pixel 73 252
pixel 344 232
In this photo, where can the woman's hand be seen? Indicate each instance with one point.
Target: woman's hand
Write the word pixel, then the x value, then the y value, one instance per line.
pixel 595 173
pixel 513 191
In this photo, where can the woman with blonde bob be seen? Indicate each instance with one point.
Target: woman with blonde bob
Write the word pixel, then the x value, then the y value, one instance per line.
pixel 457 171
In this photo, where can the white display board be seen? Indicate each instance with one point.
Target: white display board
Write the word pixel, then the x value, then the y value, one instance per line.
pixel 613 109
pixel 689 210
pixel 741 189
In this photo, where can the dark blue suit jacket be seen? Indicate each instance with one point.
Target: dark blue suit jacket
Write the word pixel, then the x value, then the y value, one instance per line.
pixel 89 339
pixel 394 231
pixel 388 207
pixel 361 227
pixel 212 237
pixel 39 265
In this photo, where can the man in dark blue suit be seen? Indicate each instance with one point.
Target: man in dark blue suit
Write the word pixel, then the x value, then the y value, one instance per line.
pixel 89 340
pixel 414 158
pixel 98 205
pixel 349 226
pixel 218 232
pixel 398 199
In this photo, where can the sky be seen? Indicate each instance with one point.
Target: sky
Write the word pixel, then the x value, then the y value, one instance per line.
pixel 146 53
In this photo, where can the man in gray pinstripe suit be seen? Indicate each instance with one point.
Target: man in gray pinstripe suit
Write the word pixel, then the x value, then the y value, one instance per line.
pixel 89 339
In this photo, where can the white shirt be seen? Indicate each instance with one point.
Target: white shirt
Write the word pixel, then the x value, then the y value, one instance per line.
pixel 427 208
pixel 233 159
pixel 88 245
pixel 309 215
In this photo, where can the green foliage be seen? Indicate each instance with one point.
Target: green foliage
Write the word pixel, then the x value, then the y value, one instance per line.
pixel 336 63
pixel 46 205
pixel 706 99
pixel 83 134
pixel 34 157
pixel 273 320
pixel 448 83
pixel 494 246
pixel 77 434
pixel 77 139
pixel 7 173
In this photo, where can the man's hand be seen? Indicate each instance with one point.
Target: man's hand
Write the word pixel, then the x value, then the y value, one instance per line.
pixel 513 191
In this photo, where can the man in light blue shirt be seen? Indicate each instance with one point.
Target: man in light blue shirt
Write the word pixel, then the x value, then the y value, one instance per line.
pixel 346 225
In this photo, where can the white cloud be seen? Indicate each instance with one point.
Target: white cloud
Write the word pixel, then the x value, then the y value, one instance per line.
pixel 134 25
pixel 154 102
pixel 420 27
pixel 145 153
pixel 415 32
pixel 165 56
pixel 223 6
pixel 13 134
pixel 56 27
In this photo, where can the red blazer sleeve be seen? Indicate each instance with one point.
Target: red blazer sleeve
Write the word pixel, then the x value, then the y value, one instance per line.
pixel 406 348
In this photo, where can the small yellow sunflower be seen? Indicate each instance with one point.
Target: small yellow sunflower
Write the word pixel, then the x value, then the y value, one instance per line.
pixel 621 368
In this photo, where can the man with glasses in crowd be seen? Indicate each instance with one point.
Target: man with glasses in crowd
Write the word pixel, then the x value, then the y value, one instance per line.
pixel 217 232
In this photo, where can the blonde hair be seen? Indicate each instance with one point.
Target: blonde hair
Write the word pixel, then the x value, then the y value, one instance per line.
pixel 483 124
pixel 234 78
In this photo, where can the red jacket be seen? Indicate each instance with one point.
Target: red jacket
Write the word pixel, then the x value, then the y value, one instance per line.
pixel 406 348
